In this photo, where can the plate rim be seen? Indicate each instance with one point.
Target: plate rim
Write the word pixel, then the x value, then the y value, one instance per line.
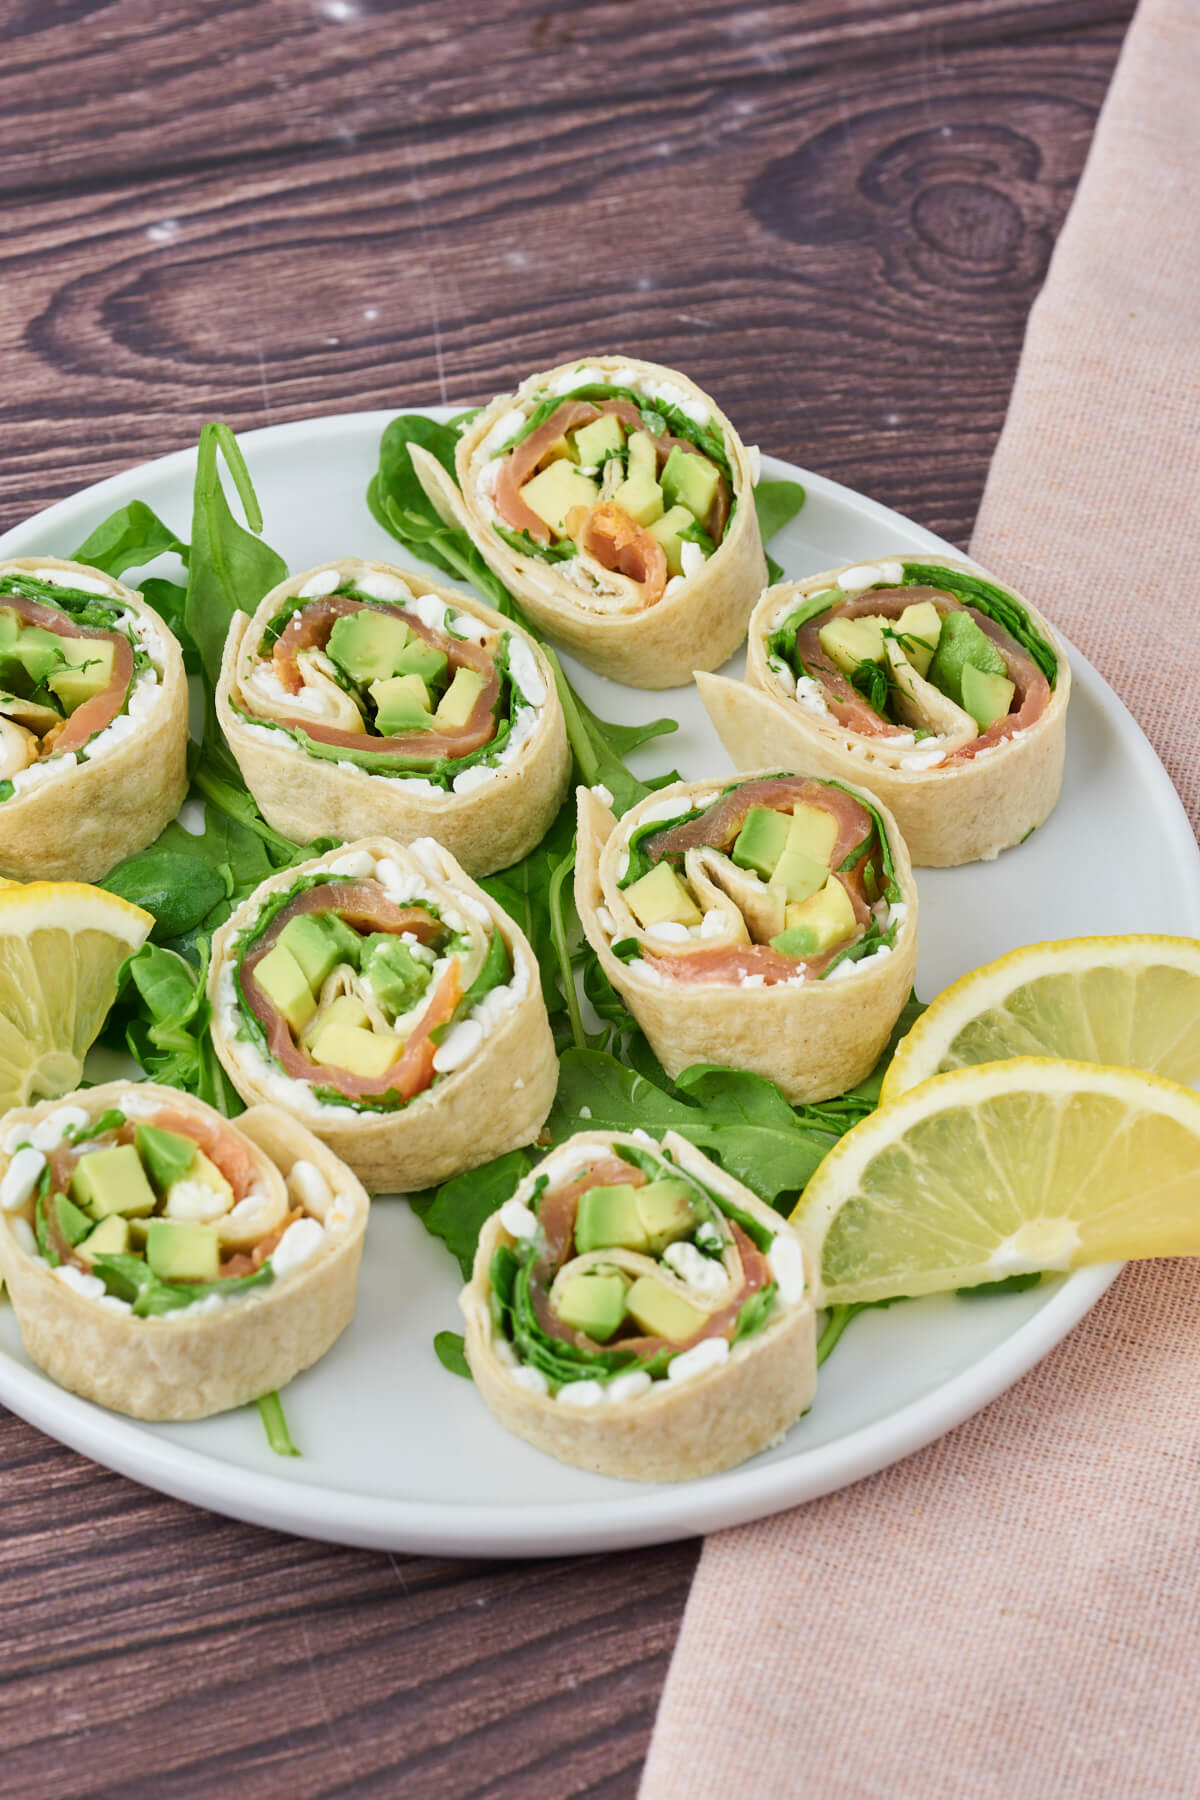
pixel 645 1514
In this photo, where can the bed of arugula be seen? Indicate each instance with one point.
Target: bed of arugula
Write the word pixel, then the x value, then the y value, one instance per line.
pixel 192 877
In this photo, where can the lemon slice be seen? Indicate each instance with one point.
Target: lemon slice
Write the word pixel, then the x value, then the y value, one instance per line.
pixel 1128 1002
pixel 61 945
pixel 997 1170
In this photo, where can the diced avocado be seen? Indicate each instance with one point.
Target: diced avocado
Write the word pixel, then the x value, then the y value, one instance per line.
pixel 458 702
pixel 395 976
pixel 552 493
pixel 39 652
pixel 402 703
pixel 112 1181
pixel 661 895
pixel 797 875
pixel 962 642
pixel 346 1009
pixel 643 456
pixel 689 479
pixel 368 644
pixel 641 497
pixel 819 923
pixel 919 627
pixel 762 840
pixel 986 697
pixel 601 439
pixel 666 1211
pixel 422 659
pixel 109 1238
pixel 319 942
pixel 814 832
pixel 609 1218
pixel 562 447
pixel 73 1224
pixel 10 627
pixel 592 1302
pixel 669 532
pixel 166 1155
pixel 179 1251
pixel 847 642
pixel 281 979
pixel 355 1049
pixel 661 1313
pixel 87 673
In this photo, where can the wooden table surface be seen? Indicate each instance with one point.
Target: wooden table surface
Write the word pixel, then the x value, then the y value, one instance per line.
pixel 835 214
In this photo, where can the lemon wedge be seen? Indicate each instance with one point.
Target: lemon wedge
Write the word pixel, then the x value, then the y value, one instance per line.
pixel 61 946
pixel 1002 1169
pixel 1127 1002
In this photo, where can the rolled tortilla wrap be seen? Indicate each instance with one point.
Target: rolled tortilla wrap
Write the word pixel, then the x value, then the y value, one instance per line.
pixel 768 923
pixel 93 721
pixel 361 698
pixel 381 998
pixel 653 560
pixel 170 1285
pixel 653 1354
pixel 962 787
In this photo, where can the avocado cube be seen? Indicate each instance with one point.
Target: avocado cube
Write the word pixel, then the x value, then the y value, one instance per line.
pixel 919 627
pixel 368 644
pixel 112 1181
pixel 354 1048
pixel 592 1302
pixel 458 702
pixel 641 497
pixel 609 1218
pixel 39 652
pixel 555 491
pixel 797 875
pixel 281 979
pixel 690 480
pixel 814 832
pixel 421 659
pixel 402 705
pixel 166 1155
pixel 661 895
pixel 88 672
pixel 962 642
pixel 395 976
pixel 73 1224
pixel 643 456
pixel 596 442
pixel 669 532
pixel 109 1238
pixel 180 1251
pixel 665 1207
pixel 819 923
pixel 10 627
pixel 762 840
pixel 661 1313
pixel 986 697
pixel 847 642
pixel 319 942
pixel 344 1009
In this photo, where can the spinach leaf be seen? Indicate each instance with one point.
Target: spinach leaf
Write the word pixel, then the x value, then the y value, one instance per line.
pixel 180 890
pixel 449 1349
pixel 270 1410
pixel 229 568
pixel 169 600
pixel 127 539
pixel 777 503
pixel 457 1211
pixel 1011 1284
pixel 166 1015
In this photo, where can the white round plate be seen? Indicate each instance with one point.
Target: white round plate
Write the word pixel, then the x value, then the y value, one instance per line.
pixel 400 1455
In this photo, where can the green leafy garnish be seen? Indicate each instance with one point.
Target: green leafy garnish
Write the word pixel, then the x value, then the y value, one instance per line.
pixel 451 1353
pixel 270 1410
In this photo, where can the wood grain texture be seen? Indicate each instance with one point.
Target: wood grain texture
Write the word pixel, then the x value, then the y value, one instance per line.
pixel 836 216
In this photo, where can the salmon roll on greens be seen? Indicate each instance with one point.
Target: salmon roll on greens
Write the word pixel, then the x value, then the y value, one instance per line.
pixel 170 1263
pixel 768 923
pixel 615 500
pixel 635 1311
pixel 362 699
pixel 93 721
pixel 924 679
pixel 381 998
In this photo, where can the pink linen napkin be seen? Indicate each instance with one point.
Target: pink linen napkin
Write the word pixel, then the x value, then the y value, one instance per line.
pixel 1015 1612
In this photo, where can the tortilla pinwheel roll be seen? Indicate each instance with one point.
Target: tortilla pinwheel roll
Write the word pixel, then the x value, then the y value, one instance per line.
pixel 170 1263
pixel 93 721
pixel 361 698
pixel 381 998
pixel 924 679
pixel 767 923
pixel 616 502
pixel 635 1311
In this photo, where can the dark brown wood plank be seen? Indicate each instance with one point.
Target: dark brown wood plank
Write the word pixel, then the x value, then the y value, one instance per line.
pixel 87 90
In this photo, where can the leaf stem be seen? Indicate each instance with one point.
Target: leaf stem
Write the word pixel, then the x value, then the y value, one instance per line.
pixel 270 1408
pixel 558 932
pixel 839 1318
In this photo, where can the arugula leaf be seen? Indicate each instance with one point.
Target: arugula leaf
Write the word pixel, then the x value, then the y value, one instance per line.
pixel 457 1211
pixel 230 568
pixel 451 1353
pixel 130 1278
pixel 270 1410
pixel 128 539
pixel 166 1025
